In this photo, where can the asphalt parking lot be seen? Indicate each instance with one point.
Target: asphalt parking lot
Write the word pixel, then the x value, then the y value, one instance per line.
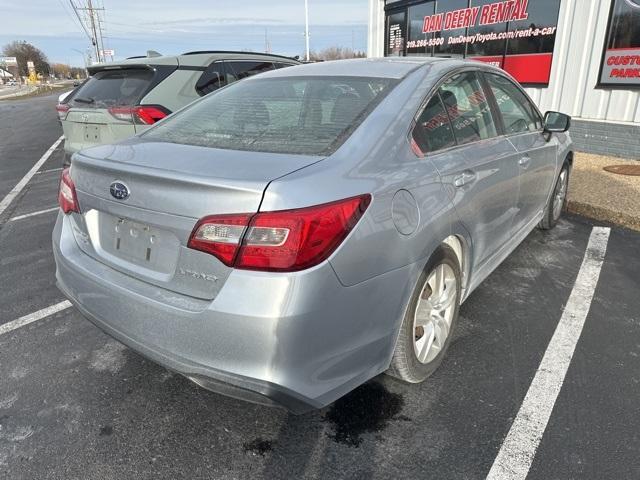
pixel 75 404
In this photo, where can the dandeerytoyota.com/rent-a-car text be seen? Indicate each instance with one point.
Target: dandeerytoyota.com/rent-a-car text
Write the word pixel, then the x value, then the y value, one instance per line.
pixel 290 236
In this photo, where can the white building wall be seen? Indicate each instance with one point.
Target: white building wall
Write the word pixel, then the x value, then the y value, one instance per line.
pixel 582 26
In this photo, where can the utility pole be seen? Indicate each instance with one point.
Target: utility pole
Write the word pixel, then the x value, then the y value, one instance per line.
pixel 267 44
pixel 96 31
pixel 306 27
pixel 104 59
pixel 93 29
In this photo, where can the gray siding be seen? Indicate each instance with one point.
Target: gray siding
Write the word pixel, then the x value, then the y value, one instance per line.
pixel 614 139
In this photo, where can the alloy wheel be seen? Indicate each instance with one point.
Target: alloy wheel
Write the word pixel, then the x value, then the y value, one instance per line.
pixel 434 313
pixel 560 195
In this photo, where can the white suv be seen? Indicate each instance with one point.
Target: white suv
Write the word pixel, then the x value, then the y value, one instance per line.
pixel 121 99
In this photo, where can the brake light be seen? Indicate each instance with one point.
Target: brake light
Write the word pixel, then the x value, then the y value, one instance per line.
pixel 140 115
pixel 281 241
pixel 62 110
pixel 67 198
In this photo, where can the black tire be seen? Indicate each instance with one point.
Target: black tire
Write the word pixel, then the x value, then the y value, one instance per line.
pixel 405 364
pixel 550 220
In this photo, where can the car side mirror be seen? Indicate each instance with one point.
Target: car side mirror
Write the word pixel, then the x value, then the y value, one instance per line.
pixel 556 122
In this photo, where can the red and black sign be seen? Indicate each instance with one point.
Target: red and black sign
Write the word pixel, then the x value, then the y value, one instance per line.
pixel 621 57
pixel 517 35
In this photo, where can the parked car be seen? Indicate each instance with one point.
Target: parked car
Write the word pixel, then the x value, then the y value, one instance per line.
pixel 121 99
pixel 298 233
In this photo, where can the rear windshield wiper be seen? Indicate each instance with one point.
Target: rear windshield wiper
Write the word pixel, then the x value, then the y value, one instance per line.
pixel 84 100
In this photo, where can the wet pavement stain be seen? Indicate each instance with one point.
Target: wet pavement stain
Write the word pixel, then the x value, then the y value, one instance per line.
pixel 259 446
pixel 106 431
pixel 365 410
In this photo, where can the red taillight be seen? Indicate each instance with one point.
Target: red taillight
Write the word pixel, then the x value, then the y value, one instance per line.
pixel 67 198
pixel 150 115
pixel 282 241
pixel 140 115
pixel 62 110
pixel 220 235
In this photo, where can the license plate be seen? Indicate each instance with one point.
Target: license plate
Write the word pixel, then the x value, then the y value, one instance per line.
pixel 92 133
pixel 133 240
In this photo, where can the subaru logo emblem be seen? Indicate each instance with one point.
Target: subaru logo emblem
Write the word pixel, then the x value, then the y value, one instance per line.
pixel 119 190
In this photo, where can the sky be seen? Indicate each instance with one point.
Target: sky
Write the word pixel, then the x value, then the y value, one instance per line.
pixel 171 27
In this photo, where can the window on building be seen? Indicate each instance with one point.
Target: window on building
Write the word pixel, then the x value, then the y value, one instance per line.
pixel 528 57
pixel 433 131
pixel 621 58
pixel 490 50
pixel 396 34
pixel 518 36
pixel 447 48
pixel 468 108
pixel 518 115
pixel 420 43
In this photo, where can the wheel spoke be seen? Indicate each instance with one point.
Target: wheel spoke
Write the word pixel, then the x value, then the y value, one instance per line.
pixel 448 299
pixel 440 280
pixel 442 329
pixel 426 346
pixel 423 313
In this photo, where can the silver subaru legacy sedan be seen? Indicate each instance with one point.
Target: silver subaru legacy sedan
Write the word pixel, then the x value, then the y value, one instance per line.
pixel 291 236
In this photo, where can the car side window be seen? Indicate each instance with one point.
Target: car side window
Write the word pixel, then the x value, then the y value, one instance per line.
pixel 244 69
pixel 468 108
pixel 213 78
pixel 283 65
pixel 433 131
pixel 518 114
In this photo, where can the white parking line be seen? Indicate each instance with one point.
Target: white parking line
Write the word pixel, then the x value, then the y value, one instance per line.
pixel 33 317
pixel 6 201
pixel 27 215
pixel 519 447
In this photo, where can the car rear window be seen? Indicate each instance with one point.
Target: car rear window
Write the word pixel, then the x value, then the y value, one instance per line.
pixel 112 88
pixel 296 115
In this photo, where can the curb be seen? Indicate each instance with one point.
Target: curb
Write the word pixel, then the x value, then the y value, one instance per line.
pixel 604 214
pixel 27 91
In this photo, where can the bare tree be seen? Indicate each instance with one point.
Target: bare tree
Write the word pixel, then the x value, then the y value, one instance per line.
pixel 25 52
pixel 336 53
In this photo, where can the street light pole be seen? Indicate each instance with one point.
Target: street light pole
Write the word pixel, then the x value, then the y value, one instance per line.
pixel 84 58
pixel 306 27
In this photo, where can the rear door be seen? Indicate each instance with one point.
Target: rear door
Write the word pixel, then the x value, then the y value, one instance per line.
pixel 475 163
pixel 536 159
pixel 93 117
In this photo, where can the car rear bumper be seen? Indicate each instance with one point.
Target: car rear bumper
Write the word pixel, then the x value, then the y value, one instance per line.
pixel 297 340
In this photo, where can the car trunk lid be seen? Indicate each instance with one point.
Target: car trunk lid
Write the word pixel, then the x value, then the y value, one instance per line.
pixel 170 187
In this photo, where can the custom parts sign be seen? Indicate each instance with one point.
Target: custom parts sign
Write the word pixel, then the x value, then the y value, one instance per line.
pixel 621 58
pixel 621 66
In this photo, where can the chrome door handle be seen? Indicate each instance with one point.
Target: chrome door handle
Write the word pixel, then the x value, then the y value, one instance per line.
pixel 464 178
pixel 524 161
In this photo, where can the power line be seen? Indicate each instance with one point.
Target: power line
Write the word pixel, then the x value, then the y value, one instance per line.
pixel 75 10
pixel 74 20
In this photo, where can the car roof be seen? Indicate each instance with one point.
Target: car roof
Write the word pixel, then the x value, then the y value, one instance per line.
pixel 193 59
pixel 387 67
